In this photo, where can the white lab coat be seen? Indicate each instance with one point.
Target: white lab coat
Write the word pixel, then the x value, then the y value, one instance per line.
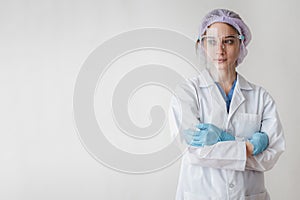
pixel 223 171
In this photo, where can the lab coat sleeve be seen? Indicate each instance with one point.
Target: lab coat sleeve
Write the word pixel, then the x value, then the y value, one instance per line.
pixel 233 154
pixel 183 113
pixel 224 155
pixel 270 125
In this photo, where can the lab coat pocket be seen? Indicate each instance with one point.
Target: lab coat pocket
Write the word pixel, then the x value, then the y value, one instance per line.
pixel 191 196
pixel 245 124
pixel 260 196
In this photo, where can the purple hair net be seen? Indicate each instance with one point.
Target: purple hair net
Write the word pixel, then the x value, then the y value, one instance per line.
pixel 233 19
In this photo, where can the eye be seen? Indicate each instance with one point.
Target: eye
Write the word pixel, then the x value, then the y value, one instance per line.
pixel 229 41
pixel 211 41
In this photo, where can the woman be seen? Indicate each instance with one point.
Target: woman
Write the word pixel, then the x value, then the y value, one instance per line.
pixel 238 134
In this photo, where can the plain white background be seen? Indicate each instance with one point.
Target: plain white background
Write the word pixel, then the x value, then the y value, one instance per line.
pixel 43 45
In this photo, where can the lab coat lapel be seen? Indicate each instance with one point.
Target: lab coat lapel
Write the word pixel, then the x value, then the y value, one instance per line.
pixel 216 96
pixel 218 105
pixel 238 97
pixel 219 112
pixel 218 100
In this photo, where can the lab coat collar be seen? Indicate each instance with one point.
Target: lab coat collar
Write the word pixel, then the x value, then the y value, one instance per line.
pixel 207 80
pixel 243 83
pixel 238 98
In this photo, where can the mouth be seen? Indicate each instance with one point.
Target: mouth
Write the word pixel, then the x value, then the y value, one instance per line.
pixel 220 60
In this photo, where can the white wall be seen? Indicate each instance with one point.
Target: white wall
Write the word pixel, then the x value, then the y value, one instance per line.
pixel 43 45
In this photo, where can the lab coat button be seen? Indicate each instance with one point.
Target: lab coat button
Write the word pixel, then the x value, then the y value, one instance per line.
pixel 231 185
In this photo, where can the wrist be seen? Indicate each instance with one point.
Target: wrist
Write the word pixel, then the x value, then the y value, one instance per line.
pixel 249 148
pixel 226 136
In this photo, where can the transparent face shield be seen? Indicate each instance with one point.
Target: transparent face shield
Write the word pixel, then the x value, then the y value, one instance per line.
pixel 221 50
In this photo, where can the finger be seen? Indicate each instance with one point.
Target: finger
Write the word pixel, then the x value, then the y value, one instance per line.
pixel 196 144
pixel 192 134
pixel 202 126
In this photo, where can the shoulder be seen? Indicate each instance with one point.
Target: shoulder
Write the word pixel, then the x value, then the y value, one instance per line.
pixel 187 88
pixel 244 84
pixel 192 87
pixel 192 83
pixel 202 79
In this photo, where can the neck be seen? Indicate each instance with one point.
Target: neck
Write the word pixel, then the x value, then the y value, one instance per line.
pixel 226 80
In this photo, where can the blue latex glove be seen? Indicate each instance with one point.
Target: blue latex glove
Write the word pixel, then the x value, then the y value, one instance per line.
pixel 260 142
pixel 208 134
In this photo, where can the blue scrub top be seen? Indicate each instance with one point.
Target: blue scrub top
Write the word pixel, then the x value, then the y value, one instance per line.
pixel 228 97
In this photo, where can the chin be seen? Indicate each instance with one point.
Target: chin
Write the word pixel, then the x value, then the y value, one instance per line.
pixel 222 66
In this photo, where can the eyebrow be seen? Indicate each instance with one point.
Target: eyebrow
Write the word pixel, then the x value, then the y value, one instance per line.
pixel 230 36
pixel 227 36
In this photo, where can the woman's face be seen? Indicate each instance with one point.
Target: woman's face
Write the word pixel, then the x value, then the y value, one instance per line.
pixel 222 45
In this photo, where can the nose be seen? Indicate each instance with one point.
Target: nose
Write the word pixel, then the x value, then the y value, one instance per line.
pixel 220 48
